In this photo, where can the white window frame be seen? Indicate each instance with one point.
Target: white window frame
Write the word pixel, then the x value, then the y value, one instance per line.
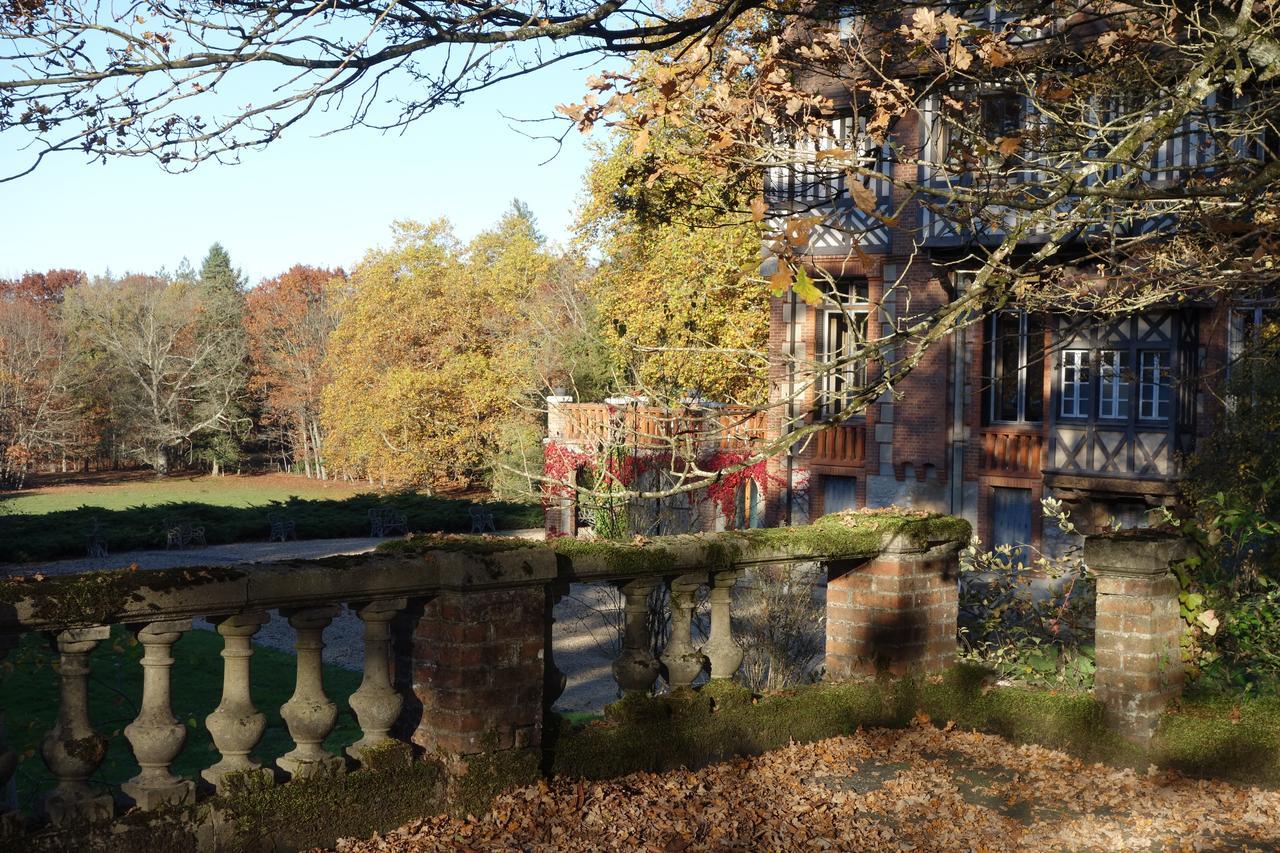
pixel 846 314
pixel 1074 394
pixel 995 369
pixel 1113 385
pixel 1155 391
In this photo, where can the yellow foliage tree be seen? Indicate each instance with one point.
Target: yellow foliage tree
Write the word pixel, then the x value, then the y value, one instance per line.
pixel 428 363
pixel 677 289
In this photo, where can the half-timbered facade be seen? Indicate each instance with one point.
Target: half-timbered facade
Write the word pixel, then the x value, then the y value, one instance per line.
pixel 1007 411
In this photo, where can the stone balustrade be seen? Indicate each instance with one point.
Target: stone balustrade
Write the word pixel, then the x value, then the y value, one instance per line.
pixel 457 642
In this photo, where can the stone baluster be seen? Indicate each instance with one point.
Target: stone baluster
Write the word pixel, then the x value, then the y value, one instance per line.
pixel 9 816
pixel 724 654
pixel 235 725
pixel 376 703
pixel 73 750
pixel 156 736
pixel 309 714
pixel 636 668
pixel 683 662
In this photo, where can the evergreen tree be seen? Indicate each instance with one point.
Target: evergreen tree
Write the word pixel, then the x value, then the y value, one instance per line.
pixel 218 276
pixel 222 291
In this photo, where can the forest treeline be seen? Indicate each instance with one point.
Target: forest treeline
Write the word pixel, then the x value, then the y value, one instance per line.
pixel 426 365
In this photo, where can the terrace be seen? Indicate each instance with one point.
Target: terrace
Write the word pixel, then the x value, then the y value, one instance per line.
pixel 459 665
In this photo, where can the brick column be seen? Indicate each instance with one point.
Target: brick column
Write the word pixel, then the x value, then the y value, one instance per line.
pixel 560 513
pixel 1139 630
pixel 896 612
pixel 478 670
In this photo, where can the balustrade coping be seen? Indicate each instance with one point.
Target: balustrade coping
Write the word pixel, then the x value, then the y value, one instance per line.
pixel 422 565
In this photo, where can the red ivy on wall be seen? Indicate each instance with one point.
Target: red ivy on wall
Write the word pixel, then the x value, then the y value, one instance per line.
pixel 724 491
pixel 561 464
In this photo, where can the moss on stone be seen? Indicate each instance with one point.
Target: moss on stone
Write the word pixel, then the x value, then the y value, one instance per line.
pixel 854 534
pixel 93 598
pixel 624 558
pixel 417 545
pixel 489 774
pixel 396 788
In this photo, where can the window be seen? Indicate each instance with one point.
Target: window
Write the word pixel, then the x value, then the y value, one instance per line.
pixel 844 331
pixel 1075 383
pixel 1015 347
pixel 1155 397
pixel 1001 114
pixel 1255 332
pixel 839 493
pixel 1113 385
pixel 1253 342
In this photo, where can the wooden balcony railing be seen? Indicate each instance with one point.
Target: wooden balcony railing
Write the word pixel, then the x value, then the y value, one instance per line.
pixel 654 429
pixel 1012 452
pixel 845 444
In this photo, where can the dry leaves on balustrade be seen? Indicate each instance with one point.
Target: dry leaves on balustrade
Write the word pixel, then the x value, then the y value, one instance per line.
pixel 920 789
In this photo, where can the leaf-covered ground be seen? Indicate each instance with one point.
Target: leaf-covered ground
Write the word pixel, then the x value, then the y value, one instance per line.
pixel 917 789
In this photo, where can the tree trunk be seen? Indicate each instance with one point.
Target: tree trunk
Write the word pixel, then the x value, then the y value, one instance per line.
pixel 316 449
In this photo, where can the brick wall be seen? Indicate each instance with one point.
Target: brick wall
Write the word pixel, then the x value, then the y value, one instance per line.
pixel 478 670
pixel 894 613
pixel 1139 629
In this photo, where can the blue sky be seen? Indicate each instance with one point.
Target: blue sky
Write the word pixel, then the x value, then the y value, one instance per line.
pixel 306 198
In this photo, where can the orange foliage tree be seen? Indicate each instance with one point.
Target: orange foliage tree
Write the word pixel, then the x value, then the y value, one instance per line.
pixel 37 406
pixel 289 319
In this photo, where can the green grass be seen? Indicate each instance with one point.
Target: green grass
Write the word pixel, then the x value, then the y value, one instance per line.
pixel 30 690
pixel 243 491
pixel 133 515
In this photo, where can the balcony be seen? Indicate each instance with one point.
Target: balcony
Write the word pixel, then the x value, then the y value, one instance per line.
pixel 458 661
pixel 651 429
pixel 841 446
pixel 1012 452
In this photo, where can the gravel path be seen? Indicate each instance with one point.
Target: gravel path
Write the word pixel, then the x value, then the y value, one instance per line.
pixel 214 555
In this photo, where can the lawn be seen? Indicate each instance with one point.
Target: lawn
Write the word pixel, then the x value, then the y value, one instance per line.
pixel 147 489
pixel 29 685
pixel 54 522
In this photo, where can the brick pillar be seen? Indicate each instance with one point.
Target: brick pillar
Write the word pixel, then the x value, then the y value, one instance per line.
pixel 478 670
pixel 560 513
pixel 1139 629
pixel 896 612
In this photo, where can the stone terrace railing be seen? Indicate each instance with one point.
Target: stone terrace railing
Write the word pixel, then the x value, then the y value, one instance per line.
pixel 457 643
pixel 457 632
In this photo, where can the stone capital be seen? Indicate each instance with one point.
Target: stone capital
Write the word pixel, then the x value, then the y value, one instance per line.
pixel 1135 554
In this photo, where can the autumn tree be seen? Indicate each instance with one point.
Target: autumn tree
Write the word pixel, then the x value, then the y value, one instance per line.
pixel 290 319
pixel 175 364
pixel 37 382
pixel 429 362
pixel 677 288
pixel 1078 159
pixel 870 115
pixel 159 82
